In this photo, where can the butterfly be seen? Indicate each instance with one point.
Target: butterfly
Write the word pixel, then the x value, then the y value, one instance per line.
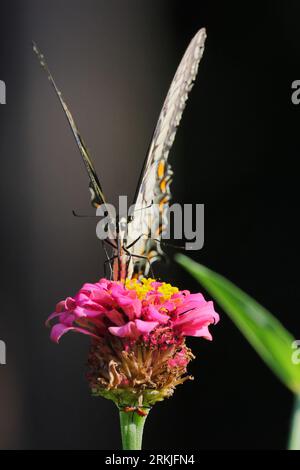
pixel 135 240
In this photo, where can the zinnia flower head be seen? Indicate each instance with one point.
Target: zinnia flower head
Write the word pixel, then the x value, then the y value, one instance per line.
pixel 138 329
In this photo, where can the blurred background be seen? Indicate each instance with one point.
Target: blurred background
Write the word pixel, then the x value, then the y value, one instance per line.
pixel 236 151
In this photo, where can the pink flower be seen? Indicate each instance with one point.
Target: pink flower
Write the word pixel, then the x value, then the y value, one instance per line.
pixel 138 332
pixel 138 309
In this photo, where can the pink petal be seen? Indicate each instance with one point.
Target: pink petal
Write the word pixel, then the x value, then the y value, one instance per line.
pixel 133 329
pixel 200 332
pixel 103 283
pixel 196 321
pixel 199 315
pixel 59 330
pixel 89 313
pixel 89 287
pixel 82 297
pixel 53 315
pixel 144 327
pixel 129 330
pixel 154 314
pixel 60 306
pixel 192 301
pixel 67 318
pixel 169 305
pixel 132 307
pixel 115 317
pixel 68 304
pixel 102 297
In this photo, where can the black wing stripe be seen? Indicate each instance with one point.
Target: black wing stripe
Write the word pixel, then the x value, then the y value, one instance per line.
pixel 96 190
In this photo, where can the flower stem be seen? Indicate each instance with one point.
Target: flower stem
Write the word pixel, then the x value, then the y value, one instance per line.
pixel 132 426
pixel 294 439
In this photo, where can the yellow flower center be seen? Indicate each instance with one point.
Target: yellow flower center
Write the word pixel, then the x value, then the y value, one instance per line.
pixel 143 286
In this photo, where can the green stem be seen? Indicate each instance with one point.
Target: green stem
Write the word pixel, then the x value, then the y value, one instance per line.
pixel 294 439
pixel 132 426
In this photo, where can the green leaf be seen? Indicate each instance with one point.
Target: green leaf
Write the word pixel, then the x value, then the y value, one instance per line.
pixel 266 334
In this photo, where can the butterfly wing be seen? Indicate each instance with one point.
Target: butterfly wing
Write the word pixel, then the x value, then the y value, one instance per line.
pixel 97 197
pixel 153 193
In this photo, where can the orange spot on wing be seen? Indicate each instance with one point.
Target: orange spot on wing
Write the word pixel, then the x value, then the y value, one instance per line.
pixel 163 185
pixel 161 169
pixel 162 202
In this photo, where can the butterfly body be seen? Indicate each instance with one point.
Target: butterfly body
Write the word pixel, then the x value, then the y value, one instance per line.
pixel 122 263
pixel 124 260
pixel 135 240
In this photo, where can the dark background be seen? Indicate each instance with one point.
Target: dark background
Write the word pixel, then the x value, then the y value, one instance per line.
pixel 237 152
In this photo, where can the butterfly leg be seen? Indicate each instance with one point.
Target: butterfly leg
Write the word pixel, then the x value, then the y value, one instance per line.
pixel 128 263
pixel 113 245
pixel 109 260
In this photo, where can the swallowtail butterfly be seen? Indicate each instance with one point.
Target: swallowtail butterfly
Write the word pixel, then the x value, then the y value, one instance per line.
pixel 134 248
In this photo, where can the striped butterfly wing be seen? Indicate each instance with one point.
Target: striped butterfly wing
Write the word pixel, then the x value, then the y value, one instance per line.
pixel 97 197
pixel 153 193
